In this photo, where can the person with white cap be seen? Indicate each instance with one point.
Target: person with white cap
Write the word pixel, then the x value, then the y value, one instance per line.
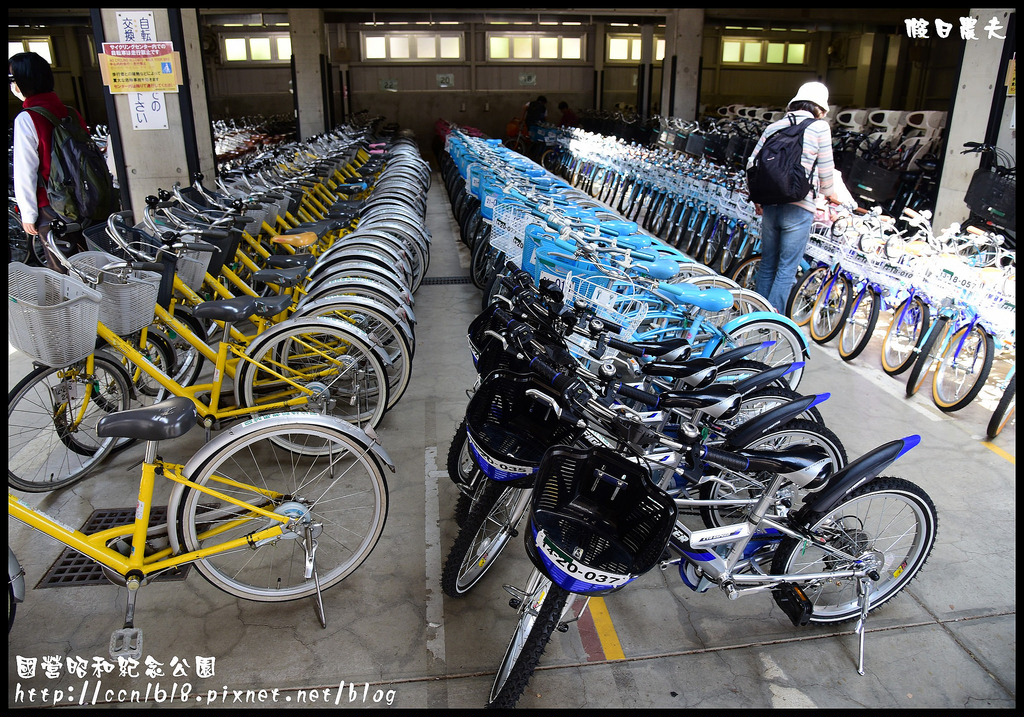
pixel 785 228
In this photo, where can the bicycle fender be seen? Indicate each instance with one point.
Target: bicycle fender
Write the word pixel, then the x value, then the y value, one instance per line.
pixel 853 476
pixel 760 425
pixel 758 316
pixel 727 357
pixel 351 300
pixel 15 576
pixel 760 380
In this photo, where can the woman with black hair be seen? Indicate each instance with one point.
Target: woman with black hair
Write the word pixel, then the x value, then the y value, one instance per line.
pixel 31 81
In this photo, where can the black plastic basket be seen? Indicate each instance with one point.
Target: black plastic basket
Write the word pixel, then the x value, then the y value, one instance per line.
pixel 597 521
pixel 871 182
pixel 509 431
pixel 994 198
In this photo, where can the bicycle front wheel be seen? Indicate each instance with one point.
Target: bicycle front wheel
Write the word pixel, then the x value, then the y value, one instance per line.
pixel 539 614
pixel 51 423
pixel 909 324
pixel 830 310
pixel 488 528
pixel 336 494
pixel 889 522
pixel 1004 411
pixel 963 368
pixel 930 351
pixel 859 325
pixel 800 304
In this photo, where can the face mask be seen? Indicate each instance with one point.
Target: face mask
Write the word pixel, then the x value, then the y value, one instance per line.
pixel 17 93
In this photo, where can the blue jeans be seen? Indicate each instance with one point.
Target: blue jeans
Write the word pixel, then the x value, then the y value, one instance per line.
pixel 785 229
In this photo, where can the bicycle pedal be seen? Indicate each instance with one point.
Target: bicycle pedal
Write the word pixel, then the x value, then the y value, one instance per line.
pixel 794 603
pixel 126 642
pixel 562 627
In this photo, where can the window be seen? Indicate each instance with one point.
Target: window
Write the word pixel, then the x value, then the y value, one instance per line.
pixel 525 47
pixel 411 46
pixel 275 48
pixel 39 45
pixel 757 52
pixel 629 48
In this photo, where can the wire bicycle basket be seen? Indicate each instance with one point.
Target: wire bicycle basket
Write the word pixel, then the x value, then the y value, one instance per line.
pixel 597 521
pixel 128 303
pixel 51 317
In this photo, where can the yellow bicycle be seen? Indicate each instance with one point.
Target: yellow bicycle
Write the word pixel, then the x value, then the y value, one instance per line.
pixel 258 519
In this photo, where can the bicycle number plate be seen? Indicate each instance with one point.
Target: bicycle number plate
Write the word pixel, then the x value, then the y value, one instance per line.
pixel 66 391
pixel 569 566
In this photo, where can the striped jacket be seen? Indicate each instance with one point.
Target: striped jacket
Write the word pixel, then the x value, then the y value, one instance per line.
pixel 817 145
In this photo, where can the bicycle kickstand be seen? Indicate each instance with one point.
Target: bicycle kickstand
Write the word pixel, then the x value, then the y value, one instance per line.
pixel 127 642
pixel 863 597
pixel 309 543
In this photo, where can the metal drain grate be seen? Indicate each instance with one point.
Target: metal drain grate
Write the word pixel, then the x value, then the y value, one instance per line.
pixel 72 569
pixel 445 280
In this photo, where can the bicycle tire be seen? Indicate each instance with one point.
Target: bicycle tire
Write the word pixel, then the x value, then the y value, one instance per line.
pixel 925 359
pixel 910 527
pixel 538 616
pixel 489 527
pixel 788 348
pixel 745 273
pixel 335 359
pixel 957 382
pixel 830 310
pixel 1004 410
pixel 341 493
pixel 383 327
pixel 909 324
pixel 859 326
pixel 480 261
pixel 800 304
pixel 463 471
pixel 43 453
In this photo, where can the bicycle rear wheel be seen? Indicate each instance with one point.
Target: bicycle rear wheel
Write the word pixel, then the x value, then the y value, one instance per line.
pixel 889 520
pixel 539 614
pixel 51 423
pixel 963 369
pixel 336 492
pixel 334 362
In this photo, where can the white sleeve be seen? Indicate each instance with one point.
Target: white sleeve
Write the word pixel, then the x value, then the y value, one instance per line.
pixel 26 166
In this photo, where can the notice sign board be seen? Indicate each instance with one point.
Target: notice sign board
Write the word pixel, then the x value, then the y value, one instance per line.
pixel 140 67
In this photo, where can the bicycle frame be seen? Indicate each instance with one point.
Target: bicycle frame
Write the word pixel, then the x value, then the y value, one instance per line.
pixel 94 545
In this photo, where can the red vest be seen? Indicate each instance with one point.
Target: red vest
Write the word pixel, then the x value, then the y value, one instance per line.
pixel 44 130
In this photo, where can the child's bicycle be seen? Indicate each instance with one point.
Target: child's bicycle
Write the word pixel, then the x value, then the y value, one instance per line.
pixel 257 519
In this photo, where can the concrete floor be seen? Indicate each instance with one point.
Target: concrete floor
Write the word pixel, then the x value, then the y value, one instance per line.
pixel 393 638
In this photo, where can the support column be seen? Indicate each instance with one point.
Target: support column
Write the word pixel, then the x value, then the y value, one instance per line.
pixel 309 47
pixel 684 42
pixel 150 159
pixel 979 83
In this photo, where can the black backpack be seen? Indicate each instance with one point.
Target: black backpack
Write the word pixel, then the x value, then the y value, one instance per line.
pixel 776 175
pixel 80 187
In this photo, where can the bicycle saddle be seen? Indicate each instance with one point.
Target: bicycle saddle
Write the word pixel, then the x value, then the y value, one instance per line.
pixel 716 401
pixel 696 373
pixel 236 309
pixel 288 261
pixel 281 277
pixel 161 421
pixel 299 240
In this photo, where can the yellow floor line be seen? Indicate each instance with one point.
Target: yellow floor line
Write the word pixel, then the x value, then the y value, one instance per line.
pixel 605 630
pixel 999 452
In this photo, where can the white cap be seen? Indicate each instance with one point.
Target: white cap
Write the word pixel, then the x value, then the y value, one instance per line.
pixel 812 92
